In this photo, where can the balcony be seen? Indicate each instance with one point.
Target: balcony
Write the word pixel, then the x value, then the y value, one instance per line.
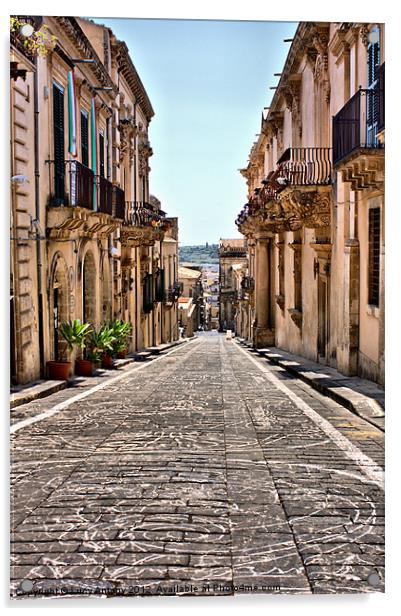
pixel 144 223
pixel 173 293
pixel 75 194
pixel 263 211
pixel 238 252
pixel 104 195
pixel 358 138
pixel 304 176
pixel 303 167
pixel 143 214
pixel 248 284
pixel 71 184
pixel 118 203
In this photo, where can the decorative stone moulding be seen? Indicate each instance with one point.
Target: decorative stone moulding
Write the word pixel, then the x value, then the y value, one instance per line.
pixel 139 236
pixel 63 222
pixel 364 171
pixel 280 301
pixel 306 206
pixel 296 316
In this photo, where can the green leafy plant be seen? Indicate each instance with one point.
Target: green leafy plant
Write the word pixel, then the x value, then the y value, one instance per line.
pixel 121 330
pixel 75 333
pixel 100 342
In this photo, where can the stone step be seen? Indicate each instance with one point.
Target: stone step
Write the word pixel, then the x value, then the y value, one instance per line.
pixel 142 356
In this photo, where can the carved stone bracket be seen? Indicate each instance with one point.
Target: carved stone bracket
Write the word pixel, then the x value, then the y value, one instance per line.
pixel 307 206
pixel 364 33
pixel 128 130
pixel 139 236
pixel 62 221
pixel 296 316
pixel 280 300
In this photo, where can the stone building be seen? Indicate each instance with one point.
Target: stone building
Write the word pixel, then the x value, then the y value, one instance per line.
pixel 314 220
pixel 232 256
pixel 190 279
pixel 88 239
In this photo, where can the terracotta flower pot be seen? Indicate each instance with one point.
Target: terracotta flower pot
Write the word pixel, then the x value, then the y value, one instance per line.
pixel 58 370
pixel 83 367
pixel 107 362
pixel 122 354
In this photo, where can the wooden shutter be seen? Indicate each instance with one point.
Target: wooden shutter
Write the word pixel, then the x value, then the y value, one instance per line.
pixel 101 153
pixel 148 293
pixel 374 256
pixel 84 139
pixel 58 136
pixel 160 282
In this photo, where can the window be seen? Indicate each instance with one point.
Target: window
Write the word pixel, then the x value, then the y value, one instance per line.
pixel 374 257
pixel 372 102
pixel 58 136
pixel 373 56
pixel 160 285
pixel 148 294
pixel 84 138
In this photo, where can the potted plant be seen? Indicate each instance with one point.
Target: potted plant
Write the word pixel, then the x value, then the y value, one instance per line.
pixel 121 330
pixel 74 334
pixel 79 333
pixel 101 345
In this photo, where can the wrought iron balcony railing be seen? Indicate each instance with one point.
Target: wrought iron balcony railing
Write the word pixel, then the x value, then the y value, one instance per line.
pixel 173 293
pixel 104 195
pixel 143 214
pixel 118 203
pixel 248 283
pixel 73 184
pixel 303 167
pixel 232 251
pixel 357 125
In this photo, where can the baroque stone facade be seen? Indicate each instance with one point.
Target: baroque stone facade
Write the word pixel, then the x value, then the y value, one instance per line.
pixel 232 262
pixel 314 221
pixel 88 240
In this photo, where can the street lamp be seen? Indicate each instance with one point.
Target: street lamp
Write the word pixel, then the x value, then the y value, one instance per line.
pixel 26 30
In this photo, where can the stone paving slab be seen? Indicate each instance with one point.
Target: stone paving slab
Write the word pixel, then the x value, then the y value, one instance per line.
pixel 194 475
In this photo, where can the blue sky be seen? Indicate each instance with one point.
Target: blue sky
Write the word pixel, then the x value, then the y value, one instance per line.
pixel 208 82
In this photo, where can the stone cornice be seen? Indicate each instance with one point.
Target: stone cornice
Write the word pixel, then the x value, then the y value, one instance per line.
pixel 128 70
pixel 81 43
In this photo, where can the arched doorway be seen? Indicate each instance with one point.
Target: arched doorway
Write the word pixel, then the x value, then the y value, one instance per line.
pixel 59 306
pixel 89 289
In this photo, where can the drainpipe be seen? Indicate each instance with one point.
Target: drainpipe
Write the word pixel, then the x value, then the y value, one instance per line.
pixel 37 216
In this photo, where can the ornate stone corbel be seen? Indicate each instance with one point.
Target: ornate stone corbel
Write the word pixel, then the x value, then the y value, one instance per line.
pixel 364 34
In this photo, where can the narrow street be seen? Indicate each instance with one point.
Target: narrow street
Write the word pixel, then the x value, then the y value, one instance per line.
pixel 205 471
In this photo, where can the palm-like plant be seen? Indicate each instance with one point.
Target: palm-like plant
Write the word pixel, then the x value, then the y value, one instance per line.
pixel 121 330
pixel 75 333
pixel 100 342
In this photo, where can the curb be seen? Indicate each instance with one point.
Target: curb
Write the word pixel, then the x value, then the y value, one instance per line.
pixel 46 388
pixel 38 393
pixel 356 406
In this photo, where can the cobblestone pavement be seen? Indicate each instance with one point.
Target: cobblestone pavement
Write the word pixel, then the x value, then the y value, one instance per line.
pixel 205 472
